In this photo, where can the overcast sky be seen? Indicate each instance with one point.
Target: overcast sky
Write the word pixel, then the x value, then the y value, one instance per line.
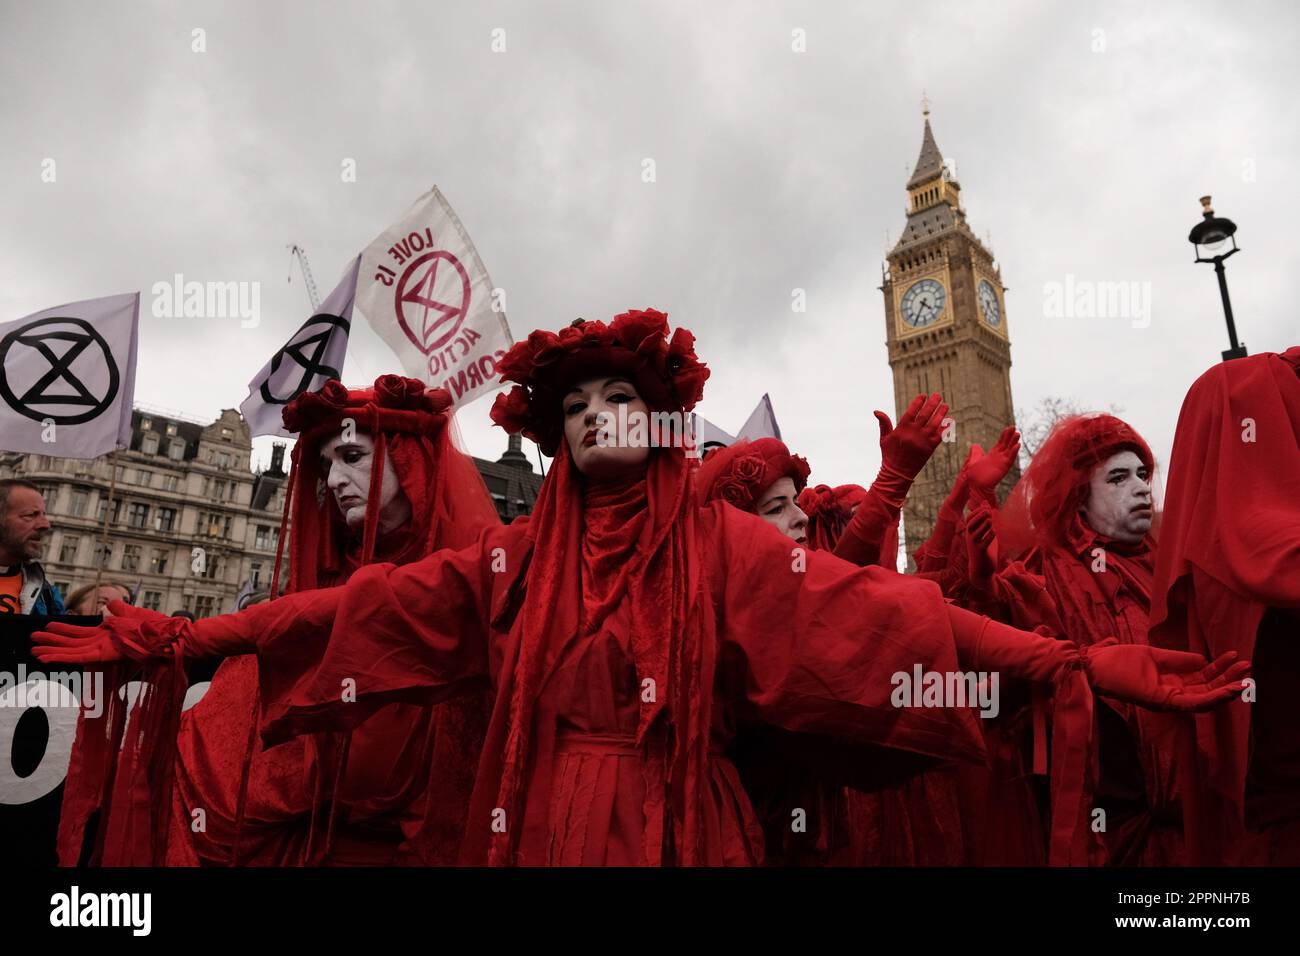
pixel 1083 135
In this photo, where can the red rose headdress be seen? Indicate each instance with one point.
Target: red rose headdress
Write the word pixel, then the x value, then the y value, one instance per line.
pixel 408 423
pixel 666 371
pixel 738 474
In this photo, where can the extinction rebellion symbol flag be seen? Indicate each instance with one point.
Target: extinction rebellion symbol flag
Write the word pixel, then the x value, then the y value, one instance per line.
pixel 312 356
pixel 67 378
pixel 426 292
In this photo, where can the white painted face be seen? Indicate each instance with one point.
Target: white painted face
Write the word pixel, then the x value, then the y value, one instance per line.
pixel 583 406
pixel 777 506
pixel 346 465
pixel 1119 498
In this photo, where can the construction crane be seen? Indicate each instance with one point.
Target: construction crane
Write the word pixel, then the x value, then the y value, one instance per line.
pixel 308 280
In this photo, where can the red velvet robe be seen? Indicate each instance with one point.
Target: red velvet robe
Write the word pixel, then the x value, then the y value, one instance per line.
pixel 1137 748
pixel 807 651
pixel 1228 579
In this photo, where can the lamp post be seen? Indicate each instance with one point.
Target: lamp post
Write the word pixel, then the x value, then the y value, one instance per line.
pixel 1211 237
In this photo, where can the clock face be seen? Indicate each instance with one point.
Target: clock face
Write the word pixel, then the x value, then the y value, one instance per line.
pixel 923 303
pixel 989 303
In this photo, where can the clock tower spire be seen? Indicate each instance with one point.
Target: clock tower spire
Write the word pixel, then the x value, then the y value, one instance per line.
pixel 946 329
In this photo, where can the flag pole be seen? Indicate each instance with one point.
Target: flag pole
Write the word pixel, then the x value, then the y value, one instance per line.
pixel 108 512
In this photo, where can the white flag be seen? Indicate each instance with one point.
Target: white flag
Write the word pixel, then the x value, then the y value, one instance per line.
pixel 312 356
pixel 67 378
pixel 709 436
pixel 425 291
pixel 760 424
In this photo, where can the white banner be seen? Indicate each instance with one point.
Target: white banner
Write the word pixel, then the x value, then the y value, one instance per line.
pixel 67 378
pixel 312 356
pixel 425 291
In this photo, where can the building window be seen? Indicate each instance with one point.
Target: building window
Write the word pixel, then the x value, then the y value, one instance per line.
pixel 149 444
pixel 137 516
pixel 143 478
pixel 176 449
pixel 130 557
pixel 80 502
pixel 255 574
pixel 152 601
pixel 212 567
pixel 146 424
pixel 219 490
pixel 165 520
pixel 158 563
pixel 103 506
pixel 68 550
pixel 171 428
pixel 266 537
pixel 224 460
pixel 103 554
pixel 204 605
pixel 226 433
pixel 169 483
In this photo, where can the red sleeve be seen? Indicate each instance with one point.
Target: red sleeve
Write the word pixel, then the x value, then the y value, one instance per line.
pixel 416 633
pixel 812 644
pixel 862 538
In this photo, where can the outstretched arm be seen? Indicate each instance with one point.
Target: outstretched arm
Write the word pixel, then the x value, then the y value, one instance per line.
pixel 903 453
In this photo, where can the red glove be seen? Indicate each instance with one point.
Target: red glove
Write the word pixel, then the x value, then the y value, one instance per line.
pixel 1160 679
pixel 137 634
pixel 980 537
pixel 908 447
pixel 985 469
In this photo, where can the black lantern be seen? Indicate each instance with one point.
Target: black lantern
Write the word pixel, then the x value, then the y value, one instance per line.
pixel 1215 239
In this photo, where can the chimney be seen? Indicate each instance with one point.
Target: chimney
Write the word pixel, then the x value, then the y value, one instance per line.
pixel 514 456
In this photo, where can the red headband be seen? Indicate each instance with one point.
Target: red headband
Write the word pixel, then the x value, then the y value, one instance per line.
pixel 740 473
pixel 667 373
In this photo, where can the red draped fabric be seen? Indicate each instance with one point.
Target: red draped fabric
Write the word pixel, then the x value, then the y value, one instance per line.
pixel 189 788
pixel 1228 579
pixel 615 695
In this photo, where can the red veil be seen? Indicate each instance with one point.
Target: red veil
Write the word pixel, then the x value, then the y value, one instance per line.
pixel 449 505
pixel 1227 576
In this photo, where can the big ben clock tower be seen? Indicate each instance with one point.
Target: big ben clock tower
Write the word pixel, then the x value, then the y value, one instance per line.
pixel 946 327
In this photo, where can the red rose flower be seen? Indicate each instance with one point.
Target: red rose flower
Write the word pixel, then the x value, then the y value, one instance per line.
pixel 570 337
pixel 334 393
pixel 631 328
pixel 597 335
pixel 736 492
pixel 517 364
pixel 396 391
pixel 748 469
pixel 511 409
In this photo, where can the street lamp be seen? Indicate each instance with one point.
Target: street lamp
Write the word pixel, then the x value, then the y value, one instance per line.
pixel 1212 237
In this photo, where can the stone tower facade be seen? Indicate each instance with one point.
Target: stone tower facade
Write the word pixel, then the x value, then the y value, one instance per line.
pixel 946 328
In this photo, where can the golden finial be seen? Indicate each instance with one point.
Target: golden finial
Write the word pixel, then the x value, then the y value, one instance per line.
pixel 925 105
pixel 1206 207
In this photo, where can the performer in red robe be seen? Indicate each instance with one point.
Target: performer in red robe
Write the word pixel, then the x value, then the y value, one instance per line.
pixel 1228 577
pixel 627 631
pixel 1080 523
pixel 374 477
